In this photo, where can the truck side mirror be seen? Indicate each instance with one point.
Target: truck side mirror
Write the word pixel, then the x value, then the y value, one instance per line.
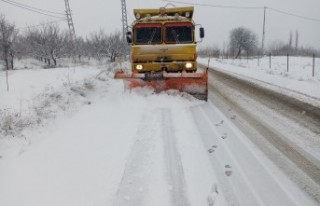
pixel 201 32
pixel 129 37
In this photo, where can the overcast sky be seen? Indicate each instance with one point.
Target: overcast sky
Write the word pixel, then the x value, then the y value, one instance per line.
pixel 92 15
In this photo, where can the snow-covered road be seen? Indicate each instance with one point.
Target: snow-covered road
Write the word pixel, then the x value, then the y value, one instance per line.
pixel 161 156
pixel 136 148
pixel 246 176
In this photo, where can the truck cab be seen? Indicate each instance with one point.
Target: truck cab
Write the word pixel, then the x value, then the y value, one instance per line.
pixel 163 40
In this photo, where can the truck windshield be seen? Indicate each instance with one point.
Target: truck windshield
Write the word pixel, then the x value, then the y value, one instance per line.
pixel 179 33
pixel 148 33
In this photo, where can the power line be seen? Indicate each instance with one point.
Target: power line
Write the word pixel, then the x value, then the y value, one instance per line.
pixel 294 15
pixel 246 7
pixel 29 9
pixel 214 6
pixel 39 25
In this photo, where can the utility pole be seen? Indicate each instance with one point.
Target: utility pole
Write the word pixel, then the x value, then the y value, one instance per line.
pixel 69 19
pixel 124 19
pixel 264 29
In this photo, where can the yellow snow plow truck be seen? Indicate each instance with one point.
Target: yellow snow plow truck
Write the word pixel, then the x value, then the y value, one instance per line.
pixel 163 52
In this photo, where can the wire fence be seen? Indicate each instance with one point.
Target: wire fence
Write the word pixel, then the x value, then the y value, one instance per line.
pixel 309 64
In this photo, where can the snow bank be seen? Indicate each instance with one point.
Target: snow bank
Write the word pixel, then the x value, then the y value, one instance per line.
pixel 298 82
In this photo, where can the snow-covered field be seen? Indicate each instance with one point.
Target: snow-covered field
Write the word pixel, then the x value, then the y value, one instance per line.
pixel 35 94
pixel 72 136
pixel 298 80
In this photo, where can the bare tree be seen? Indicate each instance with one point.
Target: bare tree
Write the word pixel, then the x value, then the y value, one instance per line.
pixel 242 39
pixel 80 49
pixel 7 33
pixel 210 51
pixel 111 46
pixel 48 42
pixel 98 44
pixel 297 40
pixel 290 39
pixel 36 44
pixel 13 48
pixel 278 48
pixel 116 46
pixel 55 42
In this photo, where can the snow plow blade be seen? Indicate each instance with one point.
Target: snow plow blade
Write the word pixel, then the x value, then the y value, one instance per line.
pixel 195 84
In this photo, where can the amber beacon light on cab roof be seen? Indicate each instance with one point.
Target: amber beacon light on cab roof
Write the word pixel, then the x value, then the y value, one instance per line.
pixel 163 52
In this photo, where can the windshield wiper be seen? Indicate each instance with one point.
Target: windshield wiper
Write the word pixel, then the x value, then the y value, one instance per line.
pixel 175 36
pixel 152 36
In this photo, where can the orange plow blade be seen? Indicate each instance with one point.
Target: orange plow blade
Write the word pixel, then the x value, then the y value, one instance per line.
pixel 195 84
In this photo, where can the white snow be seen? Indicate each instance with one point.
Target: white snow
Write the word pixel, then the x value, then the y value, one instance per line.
pixel 88 142
pixel 298 82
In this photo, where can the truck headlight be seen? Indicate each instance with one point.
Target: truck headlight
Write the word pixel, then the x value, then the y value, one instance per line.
pixel 189 65
pixel 139 67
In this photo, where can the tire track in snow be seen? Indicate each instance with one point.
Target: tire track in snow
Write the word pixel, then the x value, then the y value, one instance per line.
pixel 254 179
pixel 134 184
pixel 282 132
pixel 175 173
